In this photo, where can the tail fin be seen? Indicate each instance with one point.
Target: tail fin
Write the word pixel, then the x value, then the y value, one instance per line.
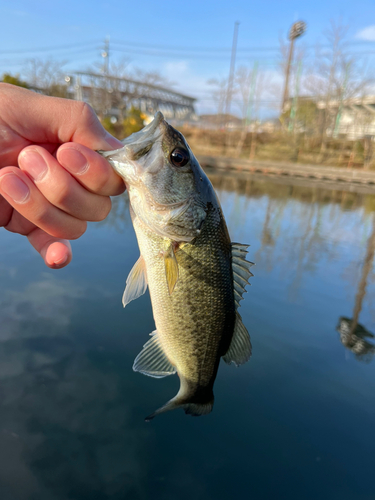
pixel 196 404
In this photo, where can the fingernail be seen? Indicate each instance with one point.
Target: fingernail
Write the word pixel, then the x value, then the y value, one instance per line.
pixel 112 142
pixel 73 161
pixel 15 188
pixel 33 163
pixel 60 262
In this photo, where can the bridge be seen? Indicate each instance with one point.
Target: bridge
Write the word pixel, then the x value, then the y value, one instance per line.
pixel 110 95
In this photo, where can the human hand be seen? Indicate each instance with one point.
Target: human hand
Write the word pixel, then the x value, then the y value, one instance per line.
pixel 51 180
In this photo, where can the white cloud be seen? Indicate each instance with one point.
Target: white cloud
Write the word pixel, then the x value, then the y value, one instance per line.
pixel 185 79
pixel 367 33
pixel 49 300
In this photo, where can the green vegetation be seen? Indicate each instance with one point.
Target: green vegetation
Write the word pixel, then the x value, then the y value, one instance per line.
pixel 14 80
pixel 133 122
pixel 280 145
pixel 306 117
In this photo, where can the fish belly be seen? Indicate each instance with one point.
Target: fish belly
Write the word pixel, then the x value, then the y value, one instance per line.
pixel 195 323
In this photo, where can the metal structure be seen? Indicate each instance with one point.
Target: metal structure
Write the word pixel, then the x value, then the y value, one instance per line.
pixel 110 95
pixel 296 31
pixel 228 99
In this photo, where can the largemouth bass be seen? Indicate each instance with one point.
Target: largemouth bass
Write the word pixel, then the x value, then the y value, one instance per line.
pixel 196 276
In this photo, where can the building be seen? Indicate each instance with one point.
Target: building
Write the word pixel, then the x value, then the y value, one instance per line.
pixel 353 118
pixel 110 95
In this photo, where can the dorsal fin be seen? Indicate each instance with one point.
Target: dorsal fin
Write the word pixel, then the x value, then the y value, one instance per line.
pixel 136 282
pixel 240 347
pixel 241 271
pixel 152 360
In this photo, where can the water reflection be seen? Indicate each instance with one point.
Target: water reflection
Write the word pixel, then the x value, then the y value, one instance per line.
pixel 295 236
pixel 71 419
pixel 119 217
pixel 67 429
pixel 353 335
pixel 299 236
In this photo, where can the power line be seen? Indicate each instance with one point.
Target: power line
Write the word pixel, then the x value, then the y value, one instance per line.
pixel 48 49
pixel 168 50
pixel 225 49
pixel 177 55
pixel 24 61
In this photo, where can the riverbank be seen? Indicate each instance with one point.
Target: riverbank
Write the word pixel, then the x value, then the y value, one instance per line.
pixel 319 173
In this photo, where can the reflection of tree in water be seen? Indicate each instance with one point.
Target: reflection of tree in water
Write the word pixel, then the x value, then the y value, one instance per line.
pixel 270 232
pixel 302 244
pixel 119 216
pixel 307 247
pixel 303 225
pixel 352 334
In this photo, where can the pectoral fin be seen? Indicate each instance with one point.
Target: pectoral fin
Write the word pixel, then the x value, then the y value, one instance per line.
pixel 152 360
pixel 136 282
pixel 240 348
pixel 171 268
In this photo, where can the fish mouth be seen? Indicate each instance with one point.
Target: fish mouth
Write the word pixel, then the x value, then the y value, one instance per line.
pixel 137 140
pixel 147 132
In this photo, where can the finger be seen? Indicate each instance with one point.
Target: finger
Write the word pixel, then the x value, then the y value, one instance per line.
pixel 90 169
pixel 60 188
pixel 57 253
pixel 22 194
pixel 5 212
pixel 54 120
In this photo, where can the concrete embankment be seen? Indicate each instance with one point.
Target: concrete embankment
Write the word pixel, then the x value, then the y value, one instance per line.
pixel 295 170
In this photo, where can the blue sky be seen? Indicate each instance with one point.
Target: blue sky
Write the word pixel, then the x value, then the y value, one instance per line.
pixel 166 29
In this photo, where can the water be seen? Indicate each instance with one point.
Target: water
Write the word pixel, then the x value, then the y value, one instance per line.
pixel 296 422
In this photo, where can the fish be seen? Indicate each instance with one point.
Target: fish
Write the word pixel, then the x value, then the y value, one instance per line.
pixel 196 276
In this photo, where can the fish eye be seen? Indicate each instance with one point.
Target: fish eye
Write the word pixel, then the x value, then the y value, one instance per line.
pixel 179 157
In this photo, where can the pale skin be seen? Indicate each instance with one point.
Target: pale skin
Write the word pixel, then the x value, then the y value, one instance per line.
pixel 51 179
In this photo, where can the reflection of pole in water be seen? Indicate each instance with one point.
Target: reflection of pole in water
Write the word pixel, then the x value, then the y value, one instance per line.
pixel 352 334
pixel 266 233
pixel 367 266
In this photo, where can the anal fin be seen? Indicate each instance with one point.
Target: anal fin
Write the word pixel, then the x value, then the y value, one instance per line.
pixel 136 282
pixel 152 360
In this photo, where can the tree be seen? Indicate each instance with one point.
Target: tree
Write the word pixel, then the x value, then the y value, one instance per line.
pixel 14 80
pixel 46 76
pixel 336 75
pixel 245 80
pixel 306 115
pixel 219 95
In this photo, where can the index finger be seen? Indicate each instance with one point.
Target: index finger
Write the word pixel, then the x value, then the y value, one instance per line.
pixel 90 169
pixel 43 119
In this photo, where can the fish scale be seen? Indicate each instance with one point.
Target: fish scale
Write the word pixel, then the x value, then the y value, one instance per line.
pixel 200 310
pixel 196 276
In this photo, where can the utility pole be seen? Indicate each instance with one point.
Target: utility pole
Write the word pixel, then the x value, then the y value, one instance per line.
pixel 231 70
pixel 296 31
pixel 105 70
